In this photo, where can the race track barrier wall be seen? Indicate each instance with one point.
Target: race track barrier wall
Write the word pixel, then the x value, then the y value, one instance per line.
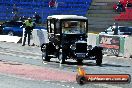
pixel 38 37
pixel 7 38
pixel 92 38
pixel 110 44
pixel 118 45
pixel 128 47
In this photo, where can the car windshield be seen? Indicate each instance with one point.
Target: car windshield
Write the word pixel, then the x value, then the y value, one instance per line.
pixel 17 24
pixel 73 27
pixel 7 24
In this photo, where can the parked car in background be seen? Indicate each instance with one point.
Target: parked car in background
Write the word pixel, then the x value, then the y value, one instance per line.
pixel 122 30
pixel 14 28
pixel 1 28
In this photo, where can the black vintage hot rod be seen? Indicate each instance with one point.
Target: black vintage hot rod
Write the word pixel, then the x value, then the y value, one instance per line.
pixel 67 36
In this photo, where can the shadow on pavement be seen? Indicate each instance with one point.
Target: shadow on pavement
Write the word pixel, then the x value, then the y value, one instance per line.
pixel 92 63
pixel 113 65
pixel 83 63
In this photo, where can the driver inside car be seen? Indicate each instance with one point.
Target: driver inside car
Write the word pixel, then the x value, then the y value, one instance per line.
pixel 67 30
pixel 71 29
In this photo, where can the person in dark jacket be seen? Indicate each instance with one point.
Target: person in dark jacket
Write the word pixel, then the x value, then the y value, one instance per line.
pixel 116 29
pixel 128 5
pixel 36 18
pixel 29 25
pixel 52 3
pixel 15 9
pixel 119 7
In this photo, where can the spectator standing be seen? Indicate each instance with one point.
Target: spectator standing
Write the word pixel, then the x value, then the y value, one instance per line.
pixel 15 13
pixel 36 18
pixel 128 5
pixel 119 7
pixel 22 18
pixel 29 25
pixel 15 9
pixel 52 3
pixel 115 29
pixel 15 17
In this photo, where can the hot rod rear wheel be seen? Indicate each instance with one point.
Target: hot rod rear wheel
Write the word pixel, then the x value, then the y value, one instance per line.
pixel 99 57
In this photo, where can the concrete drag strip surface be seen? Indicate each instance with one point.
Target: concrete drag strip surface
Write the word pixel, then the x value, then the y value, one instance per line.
pixel 36 72
pixel 28 56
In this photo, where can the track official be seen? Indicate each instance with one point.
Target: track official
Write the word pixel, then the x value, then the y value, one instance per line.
pixel 29 25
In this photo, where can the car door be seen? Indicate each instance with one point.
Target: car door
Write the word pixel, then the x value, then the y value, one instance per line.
pixel 17 28
pixel 7 27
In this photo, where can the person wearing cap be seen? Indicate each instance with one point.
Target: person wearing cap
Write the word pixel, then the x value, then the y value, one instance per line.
pixel 29 25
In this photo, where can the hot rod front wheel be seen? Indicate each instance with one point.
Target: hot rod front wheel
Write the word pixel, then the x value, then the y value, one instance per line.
pixel 45 56
pixel 61 58
pixel 44 50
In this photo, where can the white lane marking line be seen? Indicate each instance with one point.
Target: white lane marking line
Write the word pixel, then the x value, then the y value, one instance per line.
pixel 58 84
pixel 68 86
pixel 53 83
pixel 107 86
pixel 22 56
pixel 63 85
pixel 16 76
pixel 20 51
pixel 47 82
pixel 20 77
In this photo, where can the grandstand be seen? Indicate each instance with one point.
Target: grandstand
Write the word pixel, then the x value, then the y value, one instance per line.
pixel 101 15
pixel 99 12
pixel 127 14
pixel 28 8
